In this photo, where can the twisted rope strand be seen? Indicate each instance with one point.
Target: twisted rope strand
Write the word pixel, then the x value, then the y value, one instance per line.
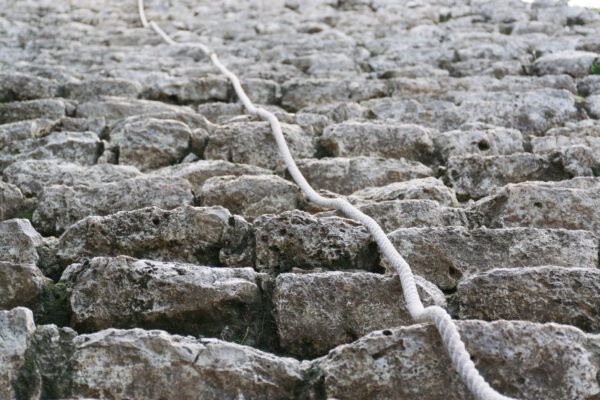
pixel 441 319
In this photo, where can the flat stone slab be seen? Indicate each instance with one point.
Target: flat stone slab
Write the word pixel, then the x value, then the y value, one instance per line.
pixel 415 189
pixel 445 256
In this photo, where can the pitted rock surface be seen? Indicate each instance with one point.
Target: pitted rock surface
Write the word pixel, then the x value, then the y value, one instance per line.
pixel 135 193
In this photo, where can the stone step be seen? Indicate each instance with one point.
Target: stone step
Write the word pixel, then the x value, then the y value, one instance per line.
pixel 539 294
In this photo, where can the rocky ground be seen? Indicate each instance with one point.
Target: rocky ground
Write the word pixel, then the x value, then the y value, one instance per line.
pixel 153 246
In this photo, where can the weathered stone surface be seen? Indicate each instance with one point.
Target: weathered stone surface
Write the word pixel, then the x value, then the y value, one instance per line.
pixel 79 147
pixel 200 235
pixel 444 256
pixel 16 328
pixel 571 204
pixel 584 128
pixel 520 359
pixel 316 312
pixel 18 242
pixel 253 143
pixel 549 144
pixel 574 63
pixel 592 106
pixel 151 143
pixel 61 206
pixel 32 109
pixel 93 89
pixel 537 294
pixel 475 176
pixel 117 108
pixel 116 363
pixel 17 86
pixel 12 201
pixel 415 189
pixel 32 176
pixel 482 139
pixel 189 90
pixel 198 172
pixel 20 284
pixel 301 93
pixel 23 130
pixel 251 195
pixel 299 240
pixel 347 175
pixel 124 292
pixel 351 139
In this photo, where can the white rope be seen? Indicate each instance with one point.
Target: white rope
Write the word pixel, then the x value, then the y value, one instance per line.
pixel 440 317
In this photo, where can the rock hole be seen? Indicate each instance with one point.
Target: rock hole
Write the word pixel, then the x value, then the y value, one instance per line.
pixel 537 204
pixel 155 220
pixel 387 332
pixel 483 145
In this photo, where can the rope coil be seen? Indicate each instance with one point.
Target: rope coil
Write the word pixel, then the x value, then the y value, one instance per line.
pixel 437 315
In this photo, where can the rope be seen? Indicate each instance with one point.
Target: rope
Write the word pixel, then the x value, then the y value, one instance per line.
pixel 441 319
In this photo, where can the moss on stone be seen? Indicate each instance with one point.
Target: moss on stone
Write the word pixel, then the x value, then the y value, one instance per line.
pixel 54 304
pixel 595 68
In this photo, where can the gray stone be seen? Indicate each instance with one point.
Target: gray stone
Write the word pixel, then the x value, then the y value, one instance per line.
pixel 415 189
pixel 592 106
pixel 571 204
pixel 16 329
pixel 79 147
pixel 475 176
pixel 538 294
pixel 197 172
pixel 520 359
pixel 549 144
pixel 297 239
pixel 584 128
pixel 253 143
pixel 12 202
pixel 482 139
pixel 60 206
pixel 19 241
pixel 20 284
pixel 444 256
pixel 262 91
pixel 207 368
pixel 251 195
pixel 32 176
pixel 189 90
pixel 297 94
pixel 200 235
pixel 95 89
pixel 351 139
pixel 347 175
pixel 151 143
pixel 18 86
pixel 182 298
pixel 32 109
pixel 318 311
pixel 116 108
pixel 575 63
pixel 23 130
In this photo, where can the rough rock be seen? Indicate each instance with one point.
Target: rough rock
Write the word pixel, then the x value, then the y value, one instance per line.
pixel 475 176
pixel 23 130
pixel 121 363
pixel 19 241
pixel 520 359
pixel 116 108
pixel 123 292
pixel 537 294
pixel 253 143
pixel 200 235
pixel 60 206
pixel 574 63
pixel 18 86
pixel 32 109
pixel 151 143
pixel 32 176
pixel 189 90
pixel 570 204
pixel 79 147
pixel 482 139
pixel 347 305
pixel 198 172
pixel 444 256
pixel 16 329
pixel 12 202
pixel 352 139
pixel 95 89
pixel 20 284
pixel 297 239
pixel 415 189
pixel 346 175
pixel 251 195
